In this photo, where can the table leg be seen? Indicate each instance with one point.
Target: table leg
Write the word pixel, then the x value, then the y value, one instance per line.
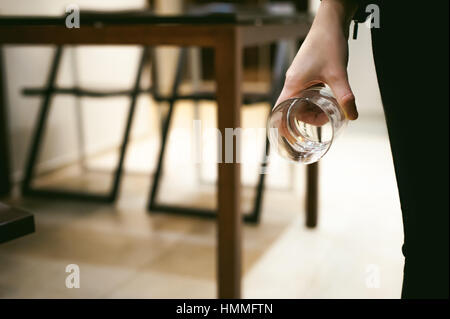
pixel 228 68
pixel 312 194
pixel 5 184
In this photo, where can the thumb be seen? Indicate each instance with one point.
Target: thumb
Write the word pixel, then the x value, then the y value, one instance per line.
pixel 344 95
pixel 290 91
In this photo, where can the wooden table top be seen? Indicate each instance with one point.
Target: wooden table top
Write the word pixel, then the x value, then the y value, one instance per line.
pixel 131 28
pixel 243 17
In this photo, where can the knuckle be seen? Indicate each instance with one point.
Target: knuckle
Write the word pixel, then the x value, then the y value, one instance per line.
pixel 289 76
pixel 348 99
pixel 336 76
pixel 292 80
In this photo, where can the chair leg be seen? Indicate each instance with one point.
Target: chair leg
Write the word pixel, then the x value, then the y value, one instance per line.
pixel 279 70
pixel 27 189
pixel 5 181
pixel 159 164
pixel 312 194
pixel 126 136
pixel 41 123
pixel 257 204
pixel 278 77
pixel 165 130
pixel 78 111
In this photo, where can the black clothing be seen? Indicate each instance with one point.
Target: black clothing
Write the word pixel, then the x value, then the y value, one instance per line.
pixel 411 57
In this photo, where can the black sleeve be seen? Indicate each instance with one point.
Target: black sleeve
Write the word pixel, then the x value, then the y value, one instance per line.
pixel 361 14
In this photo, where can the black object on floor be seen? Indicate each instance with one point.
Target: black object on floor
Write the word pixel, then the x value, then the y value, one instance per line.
pixel 14 223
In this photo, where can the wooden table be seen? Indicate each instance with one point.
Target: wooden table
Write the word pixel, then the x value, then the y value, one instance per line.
pixel 227 35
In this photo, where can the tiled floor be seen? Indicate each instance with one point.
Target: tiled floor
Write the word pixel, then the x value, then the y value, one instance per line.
pixel 124 252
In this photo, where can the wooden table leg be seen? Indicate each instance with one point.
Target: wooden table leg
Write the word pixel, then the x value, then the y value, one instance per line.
pixel 5 184
pixel 228 68
pixel 312 194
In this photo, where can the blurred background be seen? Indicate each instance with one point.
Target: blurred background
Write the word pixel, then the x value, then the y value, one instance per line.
pixel 124 252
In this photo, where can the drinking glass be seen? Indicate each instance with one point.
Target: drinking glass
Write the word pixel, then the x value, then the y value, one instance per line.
pixel 302 129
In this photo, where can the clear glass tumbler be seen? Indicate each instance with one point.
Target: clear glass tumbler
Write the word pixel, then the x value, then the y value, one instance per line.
pixel 302 129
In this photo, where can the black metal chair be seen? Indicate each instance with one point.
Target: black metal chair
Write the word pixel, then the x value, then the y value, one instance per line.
pixel 249 98
pixel 47 93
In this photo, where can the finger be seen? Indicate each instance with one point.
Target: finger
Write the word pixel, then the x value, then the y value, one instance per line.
pixel 294 83
pixel 284 95
pixel 291 91
pixel 344 95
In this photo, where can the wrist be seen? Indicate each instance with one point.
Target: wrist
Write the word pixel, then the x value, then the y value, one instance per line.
pixel 344 9
pixel 335 15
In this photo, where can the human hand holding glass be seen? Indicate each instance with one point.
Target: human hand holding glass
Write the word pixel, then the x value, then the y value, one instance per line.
pixel 308 114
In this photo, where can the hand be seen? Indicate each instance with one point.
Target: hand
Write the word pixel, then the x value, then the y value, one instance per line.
pixel 323 58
